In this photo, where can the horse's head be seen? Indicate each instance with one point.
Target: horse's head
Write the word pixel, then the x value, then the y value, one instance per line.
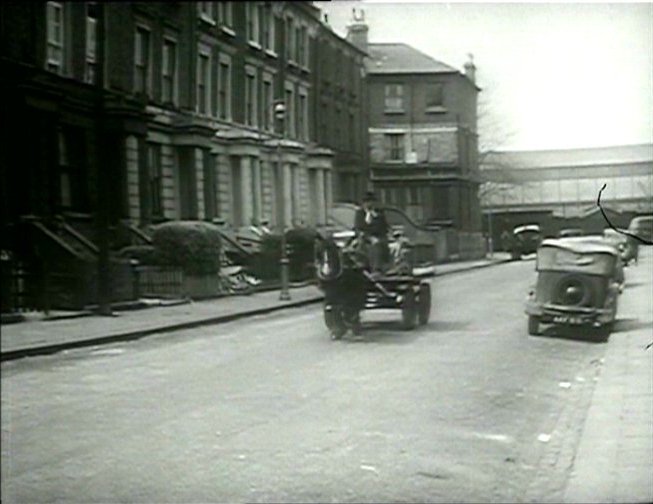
pixel 328 259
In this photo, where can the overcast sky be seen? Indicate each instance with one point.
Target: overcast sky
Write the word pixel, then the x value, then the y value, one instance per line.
pixel 554 76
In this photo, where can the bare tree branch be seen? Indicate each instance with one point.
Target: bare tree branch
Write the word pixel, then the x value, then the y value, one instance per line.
pixel 626 233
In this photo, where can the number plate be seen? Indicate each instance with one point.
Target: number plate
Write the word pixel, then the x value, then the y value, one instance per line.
pixel 566 319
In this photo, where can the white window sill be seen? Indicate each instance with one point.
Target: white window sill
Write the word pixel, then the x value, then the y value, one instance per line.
pixel 228 31
pixel 255 45
pixel 271 53
pixel 436 110
pixel 204 18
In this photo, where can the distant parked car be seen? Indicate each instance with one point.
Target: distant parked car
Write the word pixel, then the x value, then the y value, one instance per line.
pixel 578 284
pixel 571 232
pixel 525 240
pixel 626 245
pixel 642 227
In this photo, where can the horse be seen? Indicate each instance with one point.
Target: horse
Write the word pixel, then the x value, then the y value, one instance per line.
pixel 341 274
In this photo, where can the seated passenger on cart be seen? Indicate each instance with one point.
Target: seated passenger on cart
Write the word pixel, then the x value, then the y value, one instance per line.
pixel 371 225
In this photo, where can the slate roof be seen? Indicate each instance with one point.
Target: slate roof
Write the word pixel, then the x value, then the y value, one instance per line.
pixel 401 58
pixel 574 157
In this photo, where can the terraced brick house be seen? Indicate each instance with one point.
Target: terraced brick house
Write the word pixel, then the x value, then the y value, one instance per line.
pixel 422 132
pixel 188 129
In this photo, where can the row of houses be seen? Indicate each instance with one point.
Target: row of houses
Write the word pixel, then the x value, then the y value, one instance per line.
pixel 118 116
pixel 183 95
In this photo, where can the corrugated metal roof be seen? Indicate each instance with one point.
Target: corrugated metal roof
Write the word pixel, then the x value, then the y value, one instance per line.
pixel 572 157
pixel 402 58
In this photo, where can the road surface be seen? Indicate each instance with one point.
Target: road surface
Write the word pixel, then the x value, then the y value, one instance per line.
pixel 466 408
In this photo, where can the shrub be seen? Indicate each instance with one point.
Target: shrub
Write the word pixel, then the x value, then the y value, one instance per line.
pixel 299 243
pixel 193 246
pixel 265 263
pixel 301 250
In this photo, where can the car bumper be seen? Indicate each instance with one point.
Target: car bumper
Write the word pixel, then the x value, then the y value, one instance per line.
pixel 560 314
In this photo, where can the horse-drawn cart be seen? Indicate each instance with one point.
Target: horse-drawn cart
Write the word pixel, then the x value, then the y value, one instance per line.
pixel 349 288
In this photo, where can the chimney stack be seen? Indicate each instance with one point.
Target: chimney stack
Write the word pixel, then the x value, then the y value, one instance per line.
pixel 357 30
pixel 470 68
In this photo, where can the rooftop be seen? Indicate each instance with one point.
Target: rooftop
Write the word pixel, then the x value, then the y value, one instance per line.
pixel 573 157
pixel 402 58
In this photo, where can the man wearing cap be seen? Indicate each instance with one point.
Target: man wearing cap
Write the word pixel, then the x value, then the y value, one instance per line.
pixel 371 223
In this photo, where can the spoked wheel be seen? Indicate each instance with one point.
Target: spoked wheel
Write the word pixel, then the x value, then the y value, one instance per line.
pixel 409 310
pixel 335 322
pixel 533 325
pixel 424 303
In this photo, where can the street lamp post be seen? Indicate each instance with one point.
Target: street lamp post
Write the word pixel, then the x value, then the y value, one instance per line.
pixel 490 232
pixel 280 115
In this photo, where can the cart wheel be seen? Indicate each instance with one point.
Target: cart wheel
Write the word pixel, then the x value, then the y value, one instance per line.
pixel 335 322
pixel 424 302
pixel 533 325
pixel 409 310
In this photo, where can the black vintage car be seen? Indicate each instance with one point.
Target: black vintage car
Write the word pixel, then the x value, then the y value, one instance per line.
pixel 578 284
pixel 525 240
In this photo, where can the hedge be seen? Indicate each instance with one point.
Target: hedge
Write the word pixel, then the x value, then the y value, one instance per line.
pixel 193 246
pixel 300 244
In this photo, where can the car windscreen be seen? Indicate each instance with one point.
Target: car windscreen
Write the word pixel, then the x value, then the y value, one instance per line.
pixel 561 259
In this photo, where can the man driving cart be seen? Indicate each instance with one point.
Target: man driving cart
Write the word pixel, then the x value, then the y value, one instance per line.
pixel 371 225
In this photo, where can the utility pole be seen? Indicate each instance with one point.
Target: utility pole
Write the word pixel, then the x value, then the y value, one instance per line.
pixel 102 213
pixel 280 116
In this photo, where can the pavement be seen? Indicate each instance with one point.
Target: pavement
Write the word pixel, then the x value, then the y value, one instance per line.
pixel 614 460
pixel 40 334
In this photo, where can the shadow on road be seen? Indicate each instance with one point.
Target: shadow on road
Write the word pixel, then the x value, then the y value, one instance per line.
pixel 584 334
pixel 630 324
pixel 630 285
pixel 389 333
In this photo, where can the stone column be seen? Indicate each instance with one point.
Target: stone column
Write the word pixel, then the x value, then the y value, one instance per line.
pixel 320 176
pixel 245 189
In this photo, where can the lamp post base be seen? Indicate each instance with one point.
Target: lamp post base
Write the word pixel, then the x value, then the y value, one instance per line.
pixel 284 295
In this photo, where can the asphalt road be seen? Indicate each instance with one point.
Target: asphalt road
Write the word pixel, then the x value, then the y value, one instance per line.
pixel 466 408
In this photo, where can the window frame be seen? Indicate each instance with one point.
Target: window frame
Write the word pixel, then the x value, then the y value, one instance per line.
pixel 438 106
pixel 90 53
pixel 253 24
pixel 203 53
pixel 54 44
pixel 397 95
pixel 269 41
pixel 394 152
pixel 267 82
pixel 206 12
pixel 289 100
pixel 147 84
pixel 225 112
pixel 290 39
pixel 251 96
pixel 302 113
pixel 169 40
